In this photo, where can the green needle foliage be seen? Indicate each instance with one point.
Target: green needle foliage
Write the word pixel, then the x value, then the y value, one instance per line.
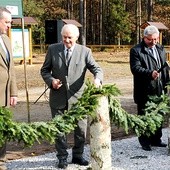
pixel 29 133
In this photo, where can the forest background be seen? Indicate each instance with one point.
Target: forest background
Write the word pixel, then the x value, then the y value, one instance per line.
pixel 107 22
pixel 111 22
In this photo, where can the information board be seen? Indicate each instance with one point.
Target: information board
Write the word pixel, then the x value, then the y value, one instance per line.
pixel 14 6
pixel 17 43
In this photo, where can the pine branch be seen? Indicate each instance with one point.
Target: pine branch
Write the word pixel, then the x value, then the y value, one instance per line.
pixel 29 133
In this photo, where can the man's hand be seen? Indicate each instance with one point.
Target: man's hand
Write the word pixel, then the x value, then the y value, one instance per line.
pixel 97 83
pixel 13 101
pixel 155 74
pixel 56 83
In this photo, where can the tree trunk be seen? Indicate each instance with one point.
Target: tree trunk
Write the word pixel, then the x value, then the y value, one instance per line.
pixel 83 22
pixel 168 136
pixel 101 22
pixel 92 23
pixel 100 137
pixel 150 10
pixel 138 20
pixel 68 9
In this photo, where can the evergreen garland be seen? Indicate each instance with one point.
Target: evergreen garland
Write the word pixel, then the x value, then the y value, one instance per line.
pixel 29 133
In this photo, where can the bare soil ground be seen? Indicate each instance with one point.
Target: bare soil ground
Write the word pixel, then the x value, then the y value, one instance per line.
pixel 116 71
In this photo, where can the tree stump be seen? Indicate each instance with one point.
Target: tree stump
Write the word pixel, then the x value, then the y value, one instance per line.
pixel 100 137
pixel 168 136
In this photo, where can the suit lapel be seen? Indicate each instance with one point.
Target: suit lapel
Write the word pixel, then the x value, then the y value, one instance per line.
pixel 151 56
pixel 61 53
pixel 3 55
pixel 74 61
pixel 2 51
pixel 75 56
pixel 159 55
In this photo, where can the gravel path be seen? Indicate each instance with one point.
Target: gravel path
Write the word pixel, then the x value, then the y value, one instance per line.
pixel 126 155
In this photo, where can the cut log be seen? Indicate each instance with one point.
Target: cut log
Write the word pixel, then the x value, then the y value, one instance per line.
pixel 100 137
pixel 168 136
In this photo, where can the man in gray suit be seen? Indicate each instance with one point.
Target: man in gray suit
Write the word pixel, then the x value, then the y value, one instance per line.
pixel 64 71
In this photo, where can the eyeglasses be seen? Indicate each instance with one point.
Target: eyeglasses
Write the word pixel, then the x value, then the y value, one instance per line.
pixel 151 40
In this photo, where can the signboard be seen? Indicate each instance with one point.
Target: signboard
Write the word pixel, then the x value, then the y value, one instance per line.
pixel 14 6
pixel 16 35
pixel 17 43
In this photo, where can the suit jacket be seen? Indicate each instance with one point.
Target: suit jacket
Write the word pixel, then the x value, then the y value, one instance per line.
pixel 72 76
pixel 8 85
pixel 142 64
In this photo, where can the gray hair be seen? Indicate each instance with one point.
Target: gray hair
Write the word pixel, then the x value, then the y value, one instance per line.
pixel 150 30
pixel 2 10
pixel 72 28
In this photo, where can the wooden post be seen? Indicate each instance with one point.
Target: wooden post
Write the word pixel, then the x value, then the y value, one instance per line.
pixel 100 137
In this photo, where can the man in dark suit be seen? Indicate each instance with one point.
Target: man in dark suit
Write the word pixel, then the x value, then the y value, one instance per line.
pixel 64 71
pixel 146 58
pixel 8 87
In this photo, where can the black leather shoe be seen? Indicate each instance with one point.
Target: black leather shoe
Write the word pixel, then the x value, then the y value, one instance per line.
pixel 62 163
pixel 160 144
pixel 80 161
pixel 146 148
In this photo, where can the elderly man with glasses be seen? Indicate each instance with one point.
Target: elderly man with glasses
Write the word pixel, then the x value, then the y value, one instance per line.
pixel 146 58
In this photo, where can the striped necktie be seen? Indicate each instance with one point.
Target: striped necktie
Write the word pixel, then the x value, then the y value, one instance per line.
pixel 155 54
pixel 68 56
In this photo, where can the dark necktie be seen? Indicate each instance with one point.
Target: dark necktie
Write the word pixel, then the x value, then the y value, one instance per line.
pixel 155 55
pixel 68 56
pixel 7 57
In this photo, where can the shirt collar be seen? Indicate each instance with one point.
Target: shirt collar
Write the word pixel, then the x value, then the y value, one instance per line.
pixel 71 49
